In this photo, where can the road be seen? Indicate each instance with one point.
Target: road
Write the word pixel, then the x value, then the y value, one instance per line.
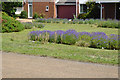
pixel 28 66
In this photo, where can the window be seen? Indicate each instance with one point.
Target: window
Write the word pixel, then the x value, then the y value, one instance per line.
pixel 47 8
pixel 30 1
pixel 83 8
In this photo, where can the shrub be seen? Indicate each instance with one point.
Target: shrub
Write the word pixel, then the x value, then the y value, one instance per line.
pixel 16 15
pixel 82 16
pixel 9 24
pixel 99 40
pixel 24 14
pixel 99 23
pixel 82 43
pixel 42 15
pixel 36 16
pixel 75 21
pixel 38 25
pixel 114 41
pixel 28 25
pixel 70 37
pixel 108 24
pixel 84 39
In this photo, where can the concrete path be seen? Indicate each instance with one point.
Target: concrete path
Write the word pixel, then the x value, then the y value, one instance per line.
pixel 25 66
pixel 24 20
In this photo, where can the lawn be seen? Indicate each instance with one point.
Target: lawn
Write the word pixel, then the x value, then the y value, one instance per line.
pixel 18 42
pixel 80 28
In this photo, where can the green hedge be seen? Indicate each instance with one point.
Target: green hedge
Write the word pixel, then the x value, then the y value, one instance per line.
pixel 9 24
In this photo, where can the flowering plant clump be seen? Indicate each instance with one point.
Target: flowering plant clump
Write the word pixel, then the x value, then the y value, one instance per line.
pixel 100 23
pixel 71 37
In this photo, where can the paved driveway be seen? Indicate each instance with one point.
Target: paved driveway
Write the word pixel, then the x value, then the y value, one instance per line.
pixel 25 66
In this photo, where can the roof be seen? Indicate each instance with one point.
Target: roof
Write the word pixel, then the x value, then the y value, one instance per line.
pixel 105 1
pixel 66 2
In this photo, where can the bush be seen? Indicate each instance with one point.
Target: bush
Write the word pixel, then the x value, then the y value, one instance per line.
pixel 42 15
pixel 84 39
pixel 28 25
pixel 70 37
pixel 99 23
pixel 9 24
pixel 82 16
pixel 108 24
pixel 36 16
pixel 23 14
pixel 82 43
pixel 16 15
pixel 38 25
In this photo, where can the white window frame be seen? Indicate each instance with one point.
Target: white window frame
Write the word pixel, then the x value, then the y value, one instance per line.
pixel 47 8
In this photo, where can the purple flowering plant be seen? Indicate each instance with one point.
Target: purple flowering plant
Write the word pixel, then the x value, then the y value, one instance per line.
pixel 71 37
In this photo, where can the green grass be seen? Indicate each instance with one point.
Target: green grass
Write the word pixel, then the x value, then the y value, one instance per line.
pixel 18 42
pixel 80 28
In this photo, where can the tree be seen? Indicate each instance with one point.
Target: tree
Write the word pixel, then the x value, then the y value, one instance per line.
pixel 93 11
pixel 9 7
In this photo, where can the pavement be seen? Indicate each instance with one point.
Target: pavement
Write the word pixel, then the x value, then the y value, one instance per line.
pixel 24 20
pixel 28 66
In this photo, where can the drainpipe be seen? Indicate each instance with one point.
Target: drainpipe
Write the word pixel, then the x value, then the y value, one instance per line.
pixel 76 8
pixel 101 12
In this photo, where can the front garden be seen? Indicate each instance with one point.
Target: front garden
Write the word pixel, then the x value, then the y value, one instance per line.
pixel 90 40
pixel 61 41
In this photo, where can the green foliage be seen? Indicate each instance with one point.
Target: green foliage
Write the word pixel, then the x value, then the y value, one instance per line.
pixel 42 15
pixel 82 16
pixel 82 43
pixel 28 25
pixel 93 11
pixel 16 16
pixel 39 25
pixel 23 46
pixel 24 14
pixel 69 39
pixel 36 16
pixel 9 24
pixel 108 24
pixel 8 7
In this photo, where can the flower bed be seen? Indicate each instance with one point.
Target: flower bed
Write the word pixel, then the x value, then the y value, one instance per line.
pixel 72 37
pixel 30 25
pixel 100 23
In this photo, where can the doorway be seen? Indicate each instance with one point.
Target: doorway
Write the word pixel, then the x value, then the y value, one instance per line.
pixel 30 10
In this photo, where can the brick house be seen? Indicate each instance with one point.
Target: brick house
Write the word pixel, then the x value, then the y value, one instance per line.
pixel 53 8
pixel 68 8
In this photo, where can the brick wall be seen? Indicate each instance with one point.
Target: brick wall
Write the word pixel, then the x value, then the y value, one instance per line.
pixel 40 7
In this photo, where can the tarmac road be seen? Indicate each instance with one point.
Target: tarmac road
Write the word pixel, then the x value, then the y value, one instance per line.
pixel 28 66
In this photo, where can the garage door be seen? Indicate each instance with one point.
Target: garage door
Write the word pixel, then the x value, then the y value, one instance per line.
pixel 66 11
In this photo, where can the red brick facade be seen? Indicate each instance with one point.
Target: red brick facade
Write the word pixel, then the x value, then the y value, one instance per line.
pixel 40 8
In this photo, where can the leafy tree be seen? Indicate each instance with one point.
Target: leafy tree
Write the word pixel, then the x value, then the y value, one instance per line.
pixel 9 7
pixel 93 11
